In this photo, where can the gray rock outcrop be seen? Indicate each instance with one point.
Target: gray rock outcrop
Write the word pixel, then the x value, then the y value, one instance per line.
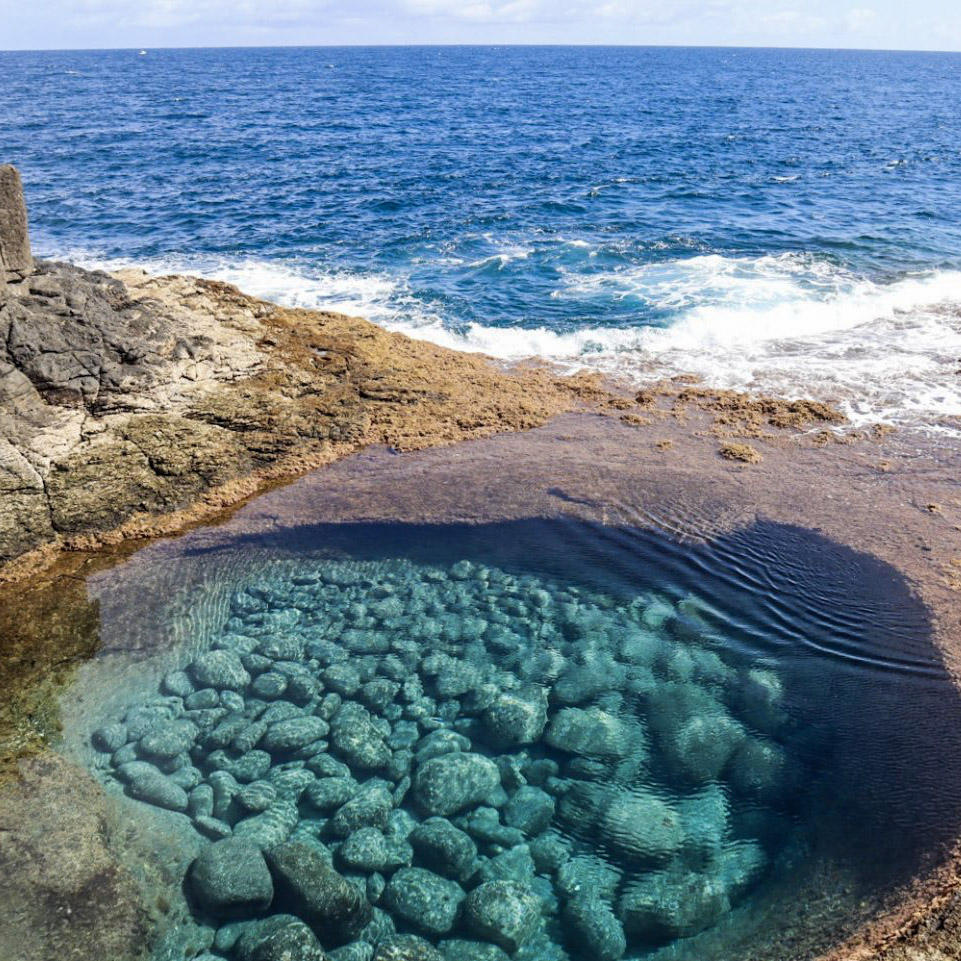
pixel 16 261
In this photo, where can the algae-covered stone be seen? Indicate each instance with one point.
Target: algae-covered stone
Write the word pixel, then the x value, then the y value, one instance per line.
pixel 462 949
pixel 369 807
pixel 549 852
pixel 666 905
pixel 331 792
pixel 220 669
pixel 270 685
pixel 504 912
pixel 587 874
pixel 514 864
pixel 355 737
pixel 407 947
pixel 367 849
pixel 530 809
pixel 248 767
pixel 284 736
pixel 110 738
pixel 271 827
pixel 279 938
pixel 592 928
pixel 448 784
pixel 517 717
pixel 156 788
pixel 178 683
pixel 592 732
pixel 641 827
pixel 257 796
pixel 229 878
pixel 443 848
pixel 424 899
pixel 169 740
pixel 700 748
pixel 441 741
pixel 309 887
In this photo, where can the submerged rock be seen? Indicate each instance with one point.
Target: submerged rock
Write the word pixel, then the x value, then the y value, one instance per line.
pixel 592 928
pixel 307 886
pixel 407 947
pixel 230 879
pixel 443 848
pixel 517 717
pixel 424 899
pixel 448 784
pixel 667 905
pixel 503 912
pixel 279 938
pixel 641 828
pixel 220 669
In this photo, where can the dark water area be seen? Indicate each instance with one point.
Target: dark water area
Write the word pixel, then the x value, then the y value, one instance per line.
pixel 649 747
pixel 768 219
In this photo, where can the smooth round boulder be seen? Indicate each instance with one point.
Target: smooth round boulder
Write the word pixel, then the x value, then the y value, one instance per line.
pixel 444 848
pixel 220 670
pixel 279 938
pixel 447 784
pixel 642 828
pixel 308 886
pixel 592 928
pixel 424 899
pixel 407 947
pixel 661 907
pixel 504 912
pixel 230 879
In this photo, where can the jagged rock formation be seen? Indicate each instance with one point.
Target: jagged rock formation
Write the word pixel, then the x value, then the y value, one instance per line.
pixel 126 398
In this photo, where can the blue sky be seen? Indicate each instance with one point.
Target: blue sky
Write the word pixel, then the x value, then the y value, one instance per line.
pixel 59 24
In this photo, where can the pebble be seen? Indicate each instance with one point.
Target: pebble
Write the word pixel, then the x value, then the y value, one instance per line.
pixel 503 912
pixel 447 784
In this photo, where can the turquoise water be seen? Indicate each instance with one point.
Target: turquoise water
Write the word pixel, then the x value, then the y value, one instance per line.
pixel 545 738
pixel 771 219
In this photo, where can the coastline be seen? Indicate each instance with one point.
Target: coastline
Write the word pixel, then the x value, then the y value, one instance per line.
pixel 385 392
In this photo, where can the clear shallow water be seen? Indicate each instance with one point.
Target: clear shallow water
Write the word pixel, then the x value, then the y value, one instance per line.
pixel 779 220
pixel 734 748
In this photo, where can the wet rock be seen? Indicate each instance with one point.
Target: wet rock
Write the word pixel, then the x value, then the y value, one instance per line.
pixel 517 717
pixel 279 938
pixel 355 951
pixel 701 747
pixel 110 738
pixel 200 801
pixel 448 784
pixel 514 864
pixel 442 741
pixel 424 899
pixel 740 866
pixel 592 928
pixel 758 770
pixel 461 949
pixel 225 787
pixel 530 809
pixel 291 784
pixel 592 732
pixel 355 737
pixel 587 874
pixel 642 828
pixel 257 796
pixel 149 785
pixel 212 828
pixel 369 807
pixel 549 852
pixel 443 848
pixel 342 678
pixel 379 694
pixel 229 878
pixel 169 740
pixel 759 700
pixel 484 824
pixel 581 682
pixel 248 767
pixel 178 683
pixel 203 700
pixel 367 849
pixel 220 669
pixel 503 912
pixel 270 828
pixel 331 792
pixel 325 765
pixel 407 947
pixel 269 685
pixel 704 820
pixel 660 907
pixel 284 736
pixel 309 887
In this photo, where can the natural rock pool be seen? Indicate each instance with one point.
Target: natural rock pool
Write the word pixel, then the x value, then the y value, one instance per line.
pixel 544 739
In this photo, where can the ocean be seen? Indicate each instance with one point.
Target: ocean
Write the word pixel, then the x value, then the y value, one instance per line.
pixel 770 220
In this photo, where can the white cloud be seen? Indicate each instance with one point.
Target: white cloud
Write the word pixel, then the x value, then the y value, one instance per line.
pixel 860 17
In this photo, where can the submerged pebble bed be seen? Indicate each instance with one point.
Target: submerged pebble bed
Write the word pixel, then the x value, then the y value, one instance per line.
pixel 404 762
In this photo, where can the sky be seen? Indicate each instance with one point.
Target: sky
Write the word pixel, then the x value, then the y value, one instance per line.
pixel 881 24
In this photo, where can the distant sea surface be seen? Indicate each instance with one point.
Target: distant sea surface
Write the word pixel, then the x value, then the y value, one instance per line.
pixel 776 220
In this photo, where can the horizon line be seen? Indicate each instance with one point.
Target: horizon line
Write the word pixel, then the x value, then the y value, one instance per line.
pixel 519 46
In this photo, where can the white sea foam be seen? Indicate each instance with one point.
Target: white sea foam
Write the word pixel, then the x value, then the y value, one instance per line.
pixel 789 324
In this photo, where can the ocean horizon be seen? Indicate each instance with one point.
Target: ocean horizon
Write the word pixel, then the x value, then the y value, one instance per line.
pixel 768 219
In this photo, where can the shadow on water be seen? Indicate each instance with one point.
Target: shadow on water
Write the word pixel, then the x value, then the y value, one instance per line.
pixel 875 720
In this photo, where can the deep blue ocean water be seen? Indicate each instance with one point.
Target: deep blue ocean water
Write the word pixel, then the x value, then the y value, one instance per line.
pixel 769 219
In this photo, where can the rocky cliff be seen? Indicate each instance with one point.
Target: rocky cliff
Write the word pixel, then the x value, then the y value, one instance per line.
pixel 129 404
